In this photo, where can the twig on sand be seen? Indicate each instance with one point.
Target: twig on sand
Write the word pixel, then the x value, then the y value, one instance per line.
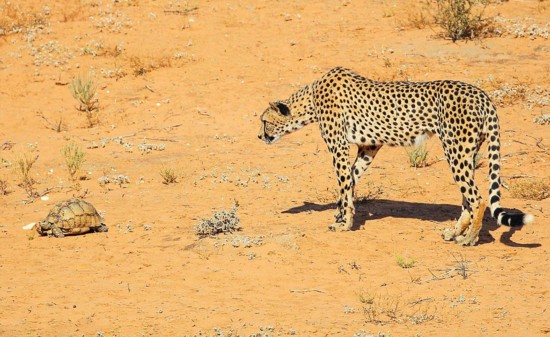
pixel 184 11
pixel 7 145
pixel 41 194
pixel 307 291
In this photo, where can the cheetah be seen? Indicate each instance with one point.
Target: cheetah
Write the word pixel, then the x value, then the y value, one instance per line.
pixel 351 109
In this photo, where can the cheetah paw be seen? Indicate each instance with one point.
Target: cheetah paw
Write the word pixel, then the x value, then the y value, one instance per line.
pixel 339 227
pixel 463 240
pixel 448 234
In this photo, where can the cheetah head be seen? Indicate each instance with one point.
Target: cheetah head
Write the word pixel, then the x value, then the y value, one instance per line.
pixel 282 117
pixel 276 121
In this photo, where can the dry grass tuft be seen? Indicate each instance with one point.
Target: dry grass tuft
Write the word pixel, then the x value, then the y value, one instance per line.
pixel 531 189
pixel 23 166
pixel 15 19
pixel 142 65
pixel 169 175
pixel 419 18
pixel 74 158
pixel 418 156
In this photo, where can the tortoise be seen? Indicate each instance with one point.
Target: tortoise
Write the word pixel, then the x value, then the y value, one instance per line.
pixel 69 217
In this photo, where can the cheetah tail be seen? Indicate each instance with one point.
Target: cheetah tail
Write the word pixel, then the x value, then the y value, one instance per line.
pixel 503 218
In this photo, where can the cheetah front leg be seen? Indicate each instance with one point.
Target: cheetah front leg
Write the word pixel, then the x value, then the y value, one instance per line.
pixel 365 156
pixel 346 210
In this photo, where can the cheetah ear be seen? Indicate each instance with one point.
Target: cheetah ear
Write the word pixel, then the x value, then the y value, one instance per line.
pixel 281 107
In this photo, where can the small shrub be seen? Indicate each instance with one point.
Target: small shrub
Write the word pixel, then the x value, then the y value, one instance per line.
pixel 381 309
pixel 405 262
pixel 531 189
pixel 461 19
pixel 169 176
pixel 543 119
pixel 74 158
pixel 418 156
pixel 222 222
pixel 23 165
pixel 14 18
pixel 83 90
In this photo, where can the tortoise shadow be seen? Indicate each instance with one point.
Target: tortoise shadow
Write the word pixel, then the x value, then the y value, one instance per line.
pixel 382 208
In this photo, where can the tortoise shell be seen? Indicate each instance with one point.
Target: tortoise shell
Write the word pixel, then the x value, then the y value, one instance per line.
pixel 73 216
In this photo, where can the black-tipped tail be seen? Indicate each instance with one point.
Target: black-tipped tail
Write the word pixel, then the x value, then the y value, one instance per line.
pixel 512 219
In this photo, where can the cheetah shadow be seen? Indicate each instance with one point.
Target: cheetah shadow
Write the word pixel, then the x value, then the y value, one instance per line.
pixel 380 208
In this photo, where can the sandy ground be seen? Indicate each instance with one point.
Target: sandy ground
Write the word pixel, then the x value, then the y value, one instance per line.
pixel 194 76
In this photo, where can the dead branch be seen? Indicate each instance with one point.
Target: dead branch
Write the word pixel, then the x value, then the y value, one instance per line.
pixel 7 145
pixel 518 153
pixel 522 143
pixel 518 176
pixel 181 12
pixel 161 139
pixel 307 291
pixel 425 299
pixel 58 127
pixel 41 194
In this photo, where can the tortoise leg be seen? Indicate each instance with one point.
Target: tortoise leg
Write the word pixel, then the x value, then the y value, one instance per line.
pixel 56 231
pixel 101 228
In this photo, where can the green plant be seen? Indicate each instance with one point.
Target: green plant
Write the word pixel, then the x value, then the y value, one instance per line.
pixel 74 158
pixel 23 165
pixel 366 298
pixel 461 19
pixel 418 156
pixel 84 90
pixel 169 176
pixel 405 262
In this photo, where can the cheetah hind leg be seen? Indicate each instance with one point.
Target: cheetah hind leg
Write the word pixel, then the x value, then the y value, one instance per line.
pixel 472 234
pixel 450 234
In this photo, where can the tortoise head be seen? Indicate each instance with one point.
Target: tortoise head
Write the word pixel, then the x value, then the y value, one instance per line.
pixel 42 227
